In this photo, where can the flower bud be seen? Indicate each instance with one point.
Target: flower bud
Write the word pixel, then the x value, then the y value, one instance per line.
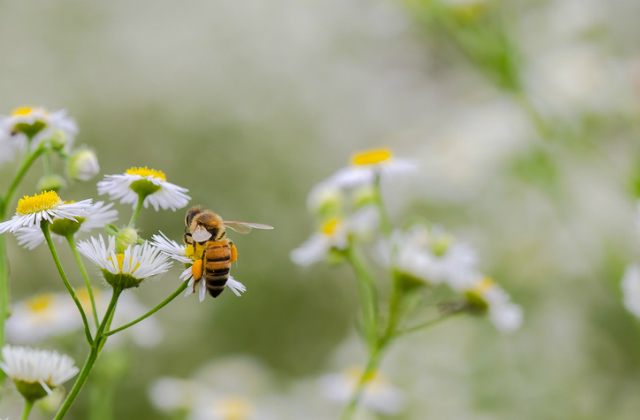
pixel 51 183
pixel 58 140
pixel 83 165
pixel 125 237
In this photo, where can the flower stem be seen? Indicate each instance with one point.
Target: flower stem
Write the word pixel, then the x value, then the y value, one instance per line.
pixel 138 209
pixel 374 361
pixel 83 270
pixel 19 176
pixel 368 296
pixel 96 346
pixel 28 405
pixel 45 230
pixel 161 305
pixel 431 323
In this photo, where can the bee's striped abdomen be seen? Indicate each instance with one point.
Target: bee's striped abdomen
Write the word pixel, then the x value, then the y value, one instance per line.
pixel 217 265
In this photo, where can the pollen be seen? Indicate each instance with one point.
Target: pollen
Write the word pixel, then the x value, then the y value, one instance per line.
pixel 22 111
pixel 330 227
pixel 371 157
pixel 147 172
pixel 120 258
pixel 40 303
pixel 46 200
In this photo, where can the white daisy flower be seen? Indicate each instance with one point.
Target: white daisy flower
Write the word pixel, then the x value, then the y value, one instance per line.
pixel 332 235
pixel 369 164
pixel 149 183
pixel 432 256
pixel 487 296
pixel 38 123
pixel 129 269
pixel 325 196
pixel 35 371
pixel 83 165
pixel 631 289
pixel 378 394
pixel 44 206
pixel 42 316
pixel 97 216
pixel 184 255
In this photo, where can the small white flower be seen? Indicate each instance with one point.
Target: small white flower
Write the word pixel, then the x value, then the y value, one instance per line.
pixel 631 289
pixel 149 183
pixel 138 262
pixel 83 165
pixel 378 395
pixel 488 296
pixel 41 316
pixel 323 195
pixel 44 206
pixel 179 253
pixel 333 234
pixel 97 216
pixel 29 367
pixel 37 122
pixel 367 165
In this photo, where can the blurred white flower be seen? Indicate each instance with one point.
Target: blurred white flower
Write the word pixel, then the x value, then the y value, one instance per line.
pixel 487 296
pixel 172 394
pixel 378 394
pixel 36 122
pixel 149 183
pixel 369 164
pixel 44 206
pixel 83 165
pixel 97 216
pixel 42 316
pixel 631 289
pixel 333 234
pixel 35 371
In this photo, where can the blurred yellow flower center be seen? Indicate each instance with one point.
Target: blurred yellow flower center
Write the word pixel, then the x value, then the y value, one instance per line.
pixel 236 409
pixel 120 258
pixel 147 172
pixel 484 284
pixel 22 111
pixel 85 299
pixel 330 227
pixel 355 373
pixel 371 157
pixel 40 303
pixel 46 200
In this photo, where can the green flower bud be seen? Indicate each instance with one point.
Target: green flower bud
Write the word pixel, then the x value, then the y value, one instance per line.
pixel 51 183
pixel 125 237
pixel 58 140
pixel 83 165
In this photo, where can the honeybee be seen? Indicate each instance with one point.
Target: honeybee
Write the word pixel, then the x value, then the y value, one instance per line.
pixel 213 252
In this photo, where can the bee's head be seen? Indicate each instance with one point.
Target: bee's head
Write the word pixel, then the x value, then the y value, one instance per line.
pixel 191 213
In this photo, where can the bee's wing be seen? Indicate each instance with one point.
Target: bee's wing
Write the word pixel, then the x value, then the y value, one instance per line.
pixel 244 227
pixel 200 234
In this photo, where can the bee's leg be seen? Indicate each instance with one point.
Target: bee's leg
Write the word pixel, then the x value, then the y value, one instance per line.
pixel 187 239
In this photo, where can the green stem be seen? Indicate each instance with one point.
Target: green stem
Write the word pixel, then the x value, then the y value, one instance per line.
pixel 431 323
pixel 46 159
pixel 385 221
pixel 161 305
pixel 28 405
pixel 96 346
pixel 138 209
pixel 368 296
pixel 45 230
pixel 372 365
pixel 4 291
pixel 19 176
pixel 83 270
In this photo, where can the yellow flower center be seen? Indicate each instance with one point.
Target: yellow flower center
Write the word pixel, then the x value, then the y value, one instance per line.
pixel 371 157
pixel 482 287
pixel 147 172
pixel 46 200
pixel 85 299
pixel 40 303
pixel 236 409
pixel 120 258
pixel 355 373
pixel 22 111
pixel 330 227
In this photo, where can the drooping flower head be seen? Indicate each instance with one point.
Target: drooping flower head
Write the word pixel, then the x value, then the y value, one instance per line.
pixel 97 216
pixel 127 269
pixel 488 297
pixel 185 256
pixel 35 372
pixel 143 182
pixel 44 206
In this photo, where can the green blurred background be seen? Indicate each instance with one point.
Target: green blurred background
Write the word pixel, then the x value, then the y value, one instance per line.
pixel 523 115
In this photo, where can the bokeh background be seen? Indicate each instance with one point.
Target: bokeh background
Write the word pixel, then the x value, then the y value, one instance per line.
pixel 523 115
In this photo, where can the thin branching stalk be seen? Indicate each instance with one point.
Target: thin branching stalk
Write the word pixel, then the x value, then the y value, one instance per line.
pixel 83 270
pixel 368 296
pixel 431 323
pixel 161 305
pixel 47 235
pixel 372 366
pixel 138 209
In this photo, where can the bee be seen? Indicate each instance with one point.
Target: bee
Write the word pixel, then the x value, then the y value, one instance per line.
pixel 213 252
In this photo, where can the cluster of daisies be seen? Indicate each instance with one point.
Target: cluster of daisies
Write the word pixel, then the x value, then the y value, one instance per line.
pixel 348 209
